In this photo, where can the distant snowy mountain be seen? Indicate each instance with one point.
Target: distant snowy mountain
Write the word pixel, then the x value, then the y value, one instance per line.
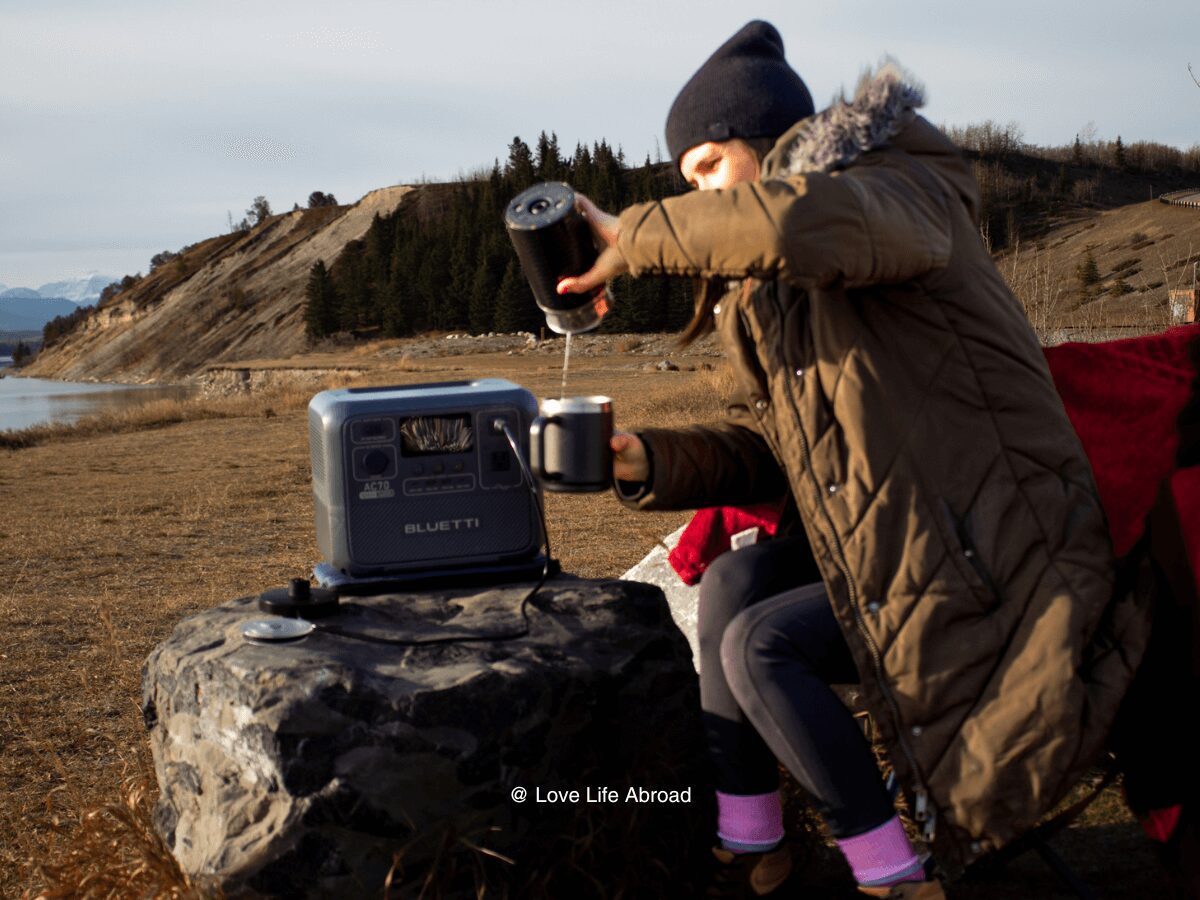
pixel 24 310
pixel 85 289
pixel 21 294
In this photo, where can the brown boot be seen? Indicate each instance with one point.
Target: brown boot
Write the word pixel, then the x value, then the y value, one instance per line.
pixel 749 874
pixel 907 890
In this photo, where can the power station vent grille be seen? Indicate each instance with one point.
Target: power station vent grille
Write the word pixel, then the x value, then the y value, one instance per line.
pixel 316 443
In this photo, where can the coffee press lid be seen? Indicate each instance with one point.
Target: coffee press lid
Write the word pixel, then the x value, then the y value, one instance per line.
pixel 540 206
pixel 595 403
pixel 276 631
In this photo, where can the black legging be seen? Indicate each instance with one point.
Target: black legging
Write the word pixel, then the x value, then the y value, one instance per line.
pixel 768 652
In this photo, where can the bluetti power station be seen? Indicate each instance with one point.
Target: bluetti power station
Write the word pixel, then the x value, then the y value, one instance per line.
pixel 420 478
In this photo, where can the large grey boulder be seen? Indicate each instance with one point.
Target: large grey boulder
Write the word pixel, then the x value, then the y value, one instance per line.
pixel 316 768
pixel 682 599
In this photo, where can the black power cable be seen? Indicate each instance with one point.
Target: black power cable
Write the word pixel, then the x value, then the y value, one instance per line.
pixel 498 425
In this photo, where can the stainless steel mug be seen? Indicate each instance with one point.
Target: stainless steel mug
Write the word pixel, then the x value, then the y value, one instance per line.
pixel 569 444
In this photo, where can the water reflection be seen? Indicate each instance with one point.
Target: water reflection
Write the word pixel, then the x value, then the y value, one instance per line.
pixel 33 401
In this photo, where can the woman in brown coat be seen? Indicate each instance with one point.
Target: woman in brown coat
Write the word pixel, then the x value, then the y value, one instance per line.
pixel 953 555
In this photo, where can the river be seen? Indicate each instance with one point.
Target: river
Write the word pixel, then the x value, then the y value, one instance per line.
pixel 34 401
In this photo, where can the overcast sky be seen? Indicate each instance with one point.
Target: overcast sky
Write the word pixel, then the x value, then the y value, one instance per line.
pixel 133 126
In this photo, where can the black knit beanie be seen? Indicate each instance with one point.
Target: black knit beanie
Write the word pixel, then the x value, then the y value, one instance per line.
pixel 745 89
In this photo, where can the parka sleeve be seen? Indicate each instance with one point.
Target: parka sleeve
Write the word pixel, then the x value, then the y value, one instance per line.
pixel 874 223
pixel 708 465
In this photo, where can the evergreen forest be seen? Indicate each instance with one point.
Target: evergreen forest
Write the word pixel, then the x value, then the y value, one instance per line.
pixel 443 261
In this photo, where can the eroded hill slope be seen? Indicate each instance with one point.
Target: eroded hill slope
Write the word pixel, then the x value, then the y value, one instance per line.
pixel 234 297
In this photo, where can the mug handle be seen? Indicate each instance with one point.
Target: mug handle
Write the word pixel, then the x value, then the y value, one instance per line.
pixel 537 446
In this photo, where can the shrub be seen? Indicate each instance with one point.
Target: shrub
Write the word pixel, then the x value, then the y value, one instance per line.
pixel 1088 274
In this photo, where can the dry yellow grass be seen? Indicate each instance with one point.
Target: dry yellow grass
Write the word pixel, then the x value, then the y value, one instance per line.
pixel 114 531
pixel 115 852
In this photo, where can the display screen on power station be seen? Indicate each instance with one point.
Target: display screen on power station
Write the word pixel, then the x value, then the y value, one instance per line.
pixel 427 435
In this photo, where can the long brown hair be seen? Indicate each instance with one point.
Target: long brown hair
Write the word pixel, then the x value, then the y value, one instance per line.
pixel 707 291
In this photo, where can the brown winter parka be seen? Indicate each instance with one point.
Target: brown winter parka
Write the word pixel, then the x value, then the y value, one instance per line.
pixel 891 381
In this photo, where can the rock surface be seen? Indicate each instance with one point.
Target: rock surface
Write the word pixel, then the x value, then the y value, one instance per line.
pixel 313 768
pixel 684 603
pixel 683 600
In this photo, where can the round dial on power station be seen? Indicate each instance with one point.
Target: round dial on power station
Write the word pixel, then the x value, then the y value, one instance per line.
pixel 376 462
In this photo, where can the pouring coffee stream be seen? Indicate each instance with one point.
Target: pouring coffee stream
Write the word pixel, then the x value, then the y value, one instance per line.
pixel 552 239
pixel 562 391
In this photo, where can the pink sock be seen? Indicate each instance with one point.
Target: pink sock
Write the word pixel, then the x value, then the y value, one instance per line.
pixel 749 823
pixel 882 855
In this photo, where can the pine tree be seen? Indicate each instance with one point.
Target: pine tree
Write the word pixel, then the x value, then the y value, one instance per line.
pixel 395 314
pixel 1119 153
pixel 356 303
pixel 516 309
pixel 259 211
pixel 493 199
pixel 606 187
pixel 549 166
pixel 444 260
pixel 431 282
pixel 519 170
pixel 485 285
pixel 1088 274
pixel 1077 152
pixel 461 273
pixel 320 302
pixel 582 172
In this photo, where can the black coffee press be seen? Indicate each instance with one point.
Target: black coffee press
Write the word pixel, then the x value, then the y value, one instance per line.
pixel 552 241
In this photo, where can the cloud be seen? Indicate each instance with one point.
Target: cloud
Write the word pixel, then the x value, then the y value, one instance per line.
pixel 336 39
pixel 256 148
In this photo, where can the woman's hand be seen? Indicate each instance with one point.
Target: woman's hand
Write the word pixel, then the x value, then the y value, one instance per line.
pixel 605 230
pixel 630 462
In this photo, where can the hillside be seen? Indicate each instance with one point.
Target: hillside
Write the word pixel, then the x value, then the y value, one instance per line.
pixel 406 260
pixel 1141 251
pixel 237 296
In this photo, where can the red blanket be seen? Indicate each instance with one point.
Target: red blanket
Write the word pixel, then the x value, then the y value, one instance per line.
pixel 1123 398
pixel 709 533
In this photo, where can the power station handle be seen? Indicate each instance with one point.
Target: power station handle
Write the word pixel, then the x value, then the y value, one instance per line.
pixel 537 441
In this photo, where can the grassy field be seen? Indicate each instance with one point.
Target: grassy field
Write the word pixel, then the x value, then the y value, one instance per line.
pixel 115 530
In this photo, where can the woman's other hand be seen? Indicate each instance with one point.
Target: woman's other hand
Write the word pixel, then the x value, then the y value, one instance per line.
pixel 630 462
pixel 609 264
pixel 605 228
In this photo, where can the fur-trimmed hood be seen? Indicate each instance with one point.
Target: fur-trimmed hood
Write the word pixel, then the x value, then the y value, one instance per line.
pixel 882 113
pixel 885 103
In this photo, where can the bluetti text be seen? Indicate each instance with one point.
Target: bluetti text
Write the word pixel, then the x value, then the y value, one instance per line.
pixel 443 525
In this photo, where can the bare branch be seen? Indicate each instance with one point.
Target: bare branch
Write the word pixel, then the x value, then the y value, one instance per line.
pixel 1193 74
